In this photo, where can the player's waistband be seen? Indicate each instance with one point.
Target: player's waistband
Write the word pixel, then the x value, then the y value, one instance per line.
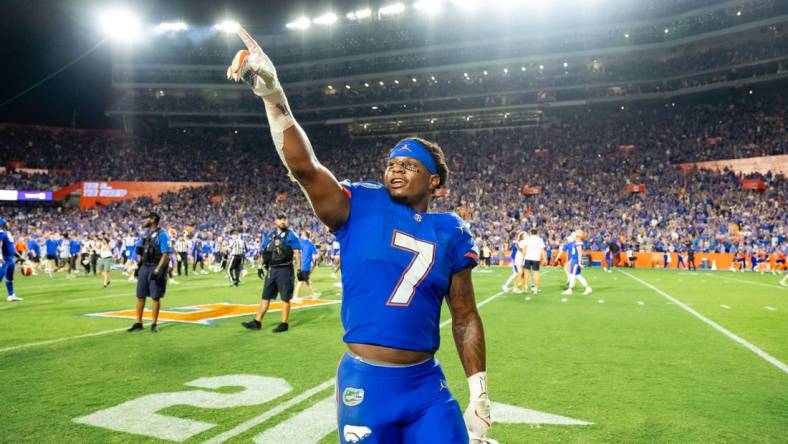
pixel 386 369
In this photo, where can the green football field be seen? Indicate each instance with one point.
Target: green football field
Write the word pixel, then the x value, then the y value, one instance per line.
pixel 650 356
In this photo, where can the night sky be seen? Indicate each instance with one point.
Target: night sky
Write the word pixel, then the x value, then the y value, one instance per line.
pixel 40 36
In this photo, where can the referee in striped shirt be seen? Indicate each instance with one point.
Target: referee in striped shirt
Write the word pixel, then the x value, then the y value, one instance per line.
pixel 182 249
pixel 237 250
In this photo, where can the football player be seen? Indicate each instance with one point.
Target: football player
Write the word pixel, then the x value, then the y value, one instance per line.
pixel 575 263
pixel 398 262
pixel 7 256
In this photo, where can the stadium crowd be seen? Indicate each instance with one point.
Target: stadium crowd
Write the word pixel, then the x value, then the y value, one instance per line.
pixel 581 164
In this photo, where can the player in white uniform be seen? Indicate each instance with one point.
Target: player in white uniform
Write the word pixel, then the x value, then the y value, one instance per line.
pixel 534 256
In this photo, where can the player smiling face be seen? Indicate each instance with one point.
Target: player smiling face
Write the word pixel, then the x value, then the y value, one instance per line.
pixel 408 180
pixel 414 170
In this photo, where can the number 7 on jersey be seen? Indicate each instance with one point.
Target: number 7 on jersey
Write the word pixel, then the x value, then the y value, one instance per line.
pixel 418 268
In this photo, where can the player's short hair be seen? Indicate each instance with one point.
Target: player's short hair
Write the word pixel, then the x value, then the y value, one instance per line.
pixel 533 231
pixel 281 216
pixel 154 215
pixel 437 154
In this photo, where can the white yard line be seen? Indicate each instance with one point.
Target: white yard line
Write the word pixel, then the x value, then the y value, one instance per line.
pixel 59 340
pixel 765 356
pixel 745 281
pixel 770 308
pixel 257 420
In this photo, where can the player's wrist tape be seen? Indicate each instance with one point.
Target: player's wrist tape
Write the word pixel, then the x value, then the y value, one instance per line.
pixel 278 111
pixel 477 384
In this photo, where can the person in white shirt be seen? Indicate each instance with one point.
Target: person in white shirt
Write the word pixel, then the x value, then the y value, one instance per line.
pixel 105 260
pixel 534 256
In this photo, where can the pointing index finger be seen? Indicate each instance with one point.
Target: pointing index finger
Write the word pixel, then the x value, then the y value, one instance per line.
pixel 250 43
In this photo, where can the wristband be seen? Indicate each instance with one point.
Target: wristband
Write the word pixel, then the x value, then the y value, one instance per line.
pixel 477 384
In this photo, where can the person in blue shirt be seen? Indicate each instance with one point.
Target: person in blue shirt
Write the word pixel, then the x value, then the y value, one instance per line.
pixel 75 245
pixel 152 275
pixel 304 275
pixel 51 245
pixel 575 256
pixel 515 267
pixel 399 262
pixel 34 251
pixel 282 256
pixel 197 254
pixel 7 256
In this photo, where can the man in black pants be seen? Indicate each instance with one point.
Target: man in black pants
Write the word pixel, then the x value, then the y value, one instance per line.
pixel 690 257
pixel 152 277
pixel 236 251
pixel 182 249
pixel 281 251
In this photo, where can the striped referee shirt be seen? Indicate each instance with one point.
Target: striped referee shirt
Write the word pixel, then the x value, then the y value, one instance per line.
pixel 237 247
pixel 182 246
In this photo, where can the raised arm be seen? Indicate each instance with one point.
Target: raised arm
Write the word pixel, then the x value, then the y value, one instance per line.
pixel 322 189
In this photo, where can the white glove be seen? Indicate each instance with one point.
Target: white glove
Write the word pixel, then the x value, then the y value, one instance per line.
pixel 477 415
pixel 254 67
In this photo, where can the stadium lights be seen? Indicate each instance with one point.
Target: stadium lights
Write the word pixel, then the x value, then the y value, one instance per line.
pixel 325 19
pixel 626 36
pixel 396 82
pixel 484 72
pixel 228 26
pixel 366 84
pixel 541 67
pixel 347 86
pixel 413 80
pixel 302 23
pixel 172 27
pixel 120 25
pixel 667 30
pixel 566 65
pixel 506 70
pixel 360 14
pixel 396 8
pixel 429 7
pixel 522 68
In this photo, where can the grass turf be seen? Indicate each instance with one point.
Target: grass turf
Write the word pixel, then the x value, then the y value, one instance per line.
pixel 625 358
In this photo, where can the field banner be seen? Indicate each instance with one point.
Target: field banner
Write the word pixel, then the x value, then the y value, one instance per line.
pixel 531 191
pixel 105 193
pixel 776 164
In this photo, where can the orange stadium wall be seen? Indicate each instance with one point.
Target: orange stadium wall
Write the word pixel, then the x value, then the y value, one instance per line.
pixel 105 193
pixel 775 164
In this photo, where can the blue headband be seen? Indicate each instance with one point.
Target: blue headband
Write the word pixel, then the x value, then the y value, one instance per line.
pixel 415 150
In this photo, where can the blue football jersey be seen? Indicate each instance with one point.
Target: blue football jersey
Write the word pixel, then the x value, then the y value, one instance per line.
pixel 396 267
pixel 574 251
pixel 7 246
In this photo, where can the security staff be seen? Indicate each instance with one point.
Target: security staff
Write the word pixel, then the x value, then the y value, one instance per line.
pixel 152 278
pixel 237 251
pixel 281 251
